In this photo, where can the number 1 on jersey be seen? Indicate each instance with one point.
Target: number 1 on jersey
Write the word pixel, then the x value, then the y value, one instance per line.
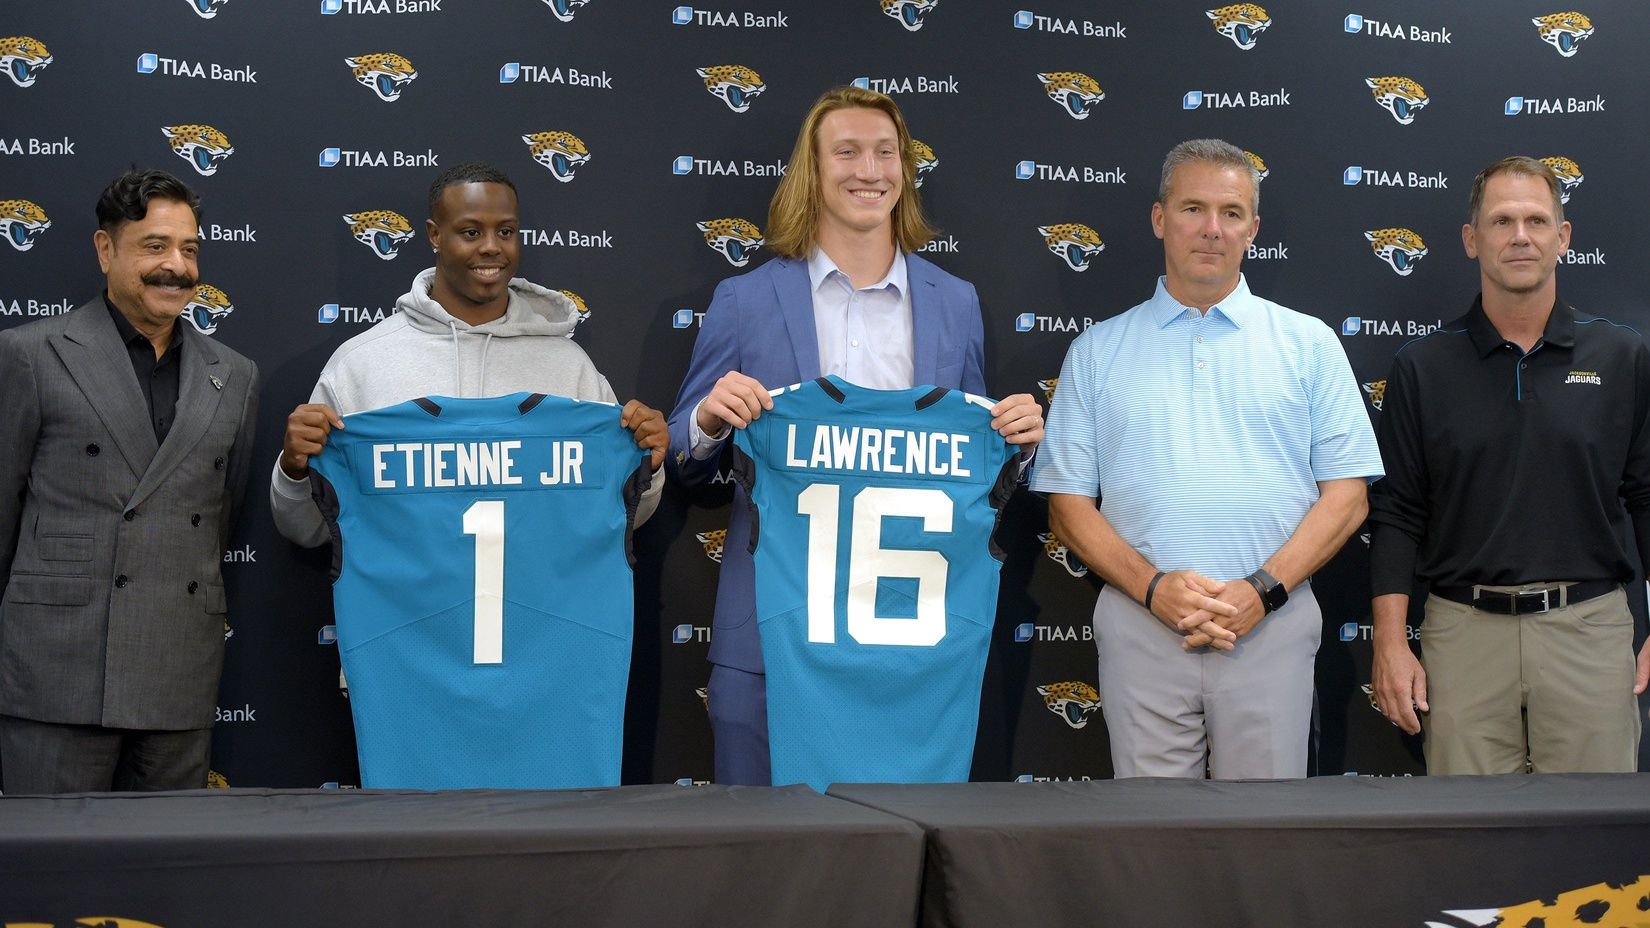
pixel 485 520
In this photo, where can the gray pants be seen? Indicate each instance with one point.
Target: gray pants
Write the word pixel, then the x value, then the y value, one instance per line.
pixel 45 757
pixel 1240 714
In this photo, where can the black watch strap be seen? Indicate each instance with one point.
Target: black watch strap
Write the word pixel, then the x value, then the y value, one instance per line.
pixel 1272 593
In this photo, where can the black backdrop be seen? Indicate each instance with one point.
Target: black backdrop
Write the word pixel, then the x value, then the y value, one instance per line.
pixel 312 145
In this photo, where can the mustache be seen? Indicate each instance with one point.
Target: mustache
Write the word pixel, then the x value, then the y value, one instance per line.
pixel 169 279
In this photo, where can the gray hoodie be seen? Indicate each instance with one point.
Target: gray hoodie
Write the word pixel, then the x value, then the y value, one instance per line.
pixel 422 350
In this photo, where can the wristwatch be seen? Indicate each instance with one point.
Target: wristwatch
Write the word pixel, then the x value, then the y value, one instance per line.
pixel 1272 593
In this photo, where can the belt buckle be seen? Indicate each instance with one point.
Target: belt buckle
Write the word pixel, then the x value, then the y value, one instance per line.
pixel 1546 601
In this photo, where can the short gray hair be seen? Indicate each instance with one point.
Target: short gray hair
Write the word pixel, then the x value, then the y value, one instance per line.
pixel 1210 151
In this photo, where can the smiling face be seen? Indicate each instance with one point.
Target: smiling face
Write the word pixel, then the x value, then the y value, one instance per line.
pixel 1517 237
pixel 860 173
pixel 150 264
pixel 1206 222
pixel 476 246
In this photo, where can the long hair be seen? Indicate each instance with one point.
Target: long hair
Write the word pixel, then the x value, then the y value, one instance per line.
pixel 793 214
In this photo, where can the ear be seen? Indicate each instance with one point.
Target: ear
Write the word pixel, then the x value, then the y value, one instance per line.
pixel 1469 240
pixel 105 246
pixel 434 233
pixel 1157 219
pixel 1254 229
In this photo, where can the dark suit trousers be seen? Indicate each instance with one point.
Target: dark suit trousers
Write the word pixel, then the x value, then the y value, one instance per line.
pixel 45 757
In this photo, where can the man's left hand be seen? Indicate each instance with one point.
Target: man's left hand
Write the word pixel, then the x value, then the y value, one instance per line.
pixel 1250 610
pixel 1019 419
pixel 1643 678
pixel 649 426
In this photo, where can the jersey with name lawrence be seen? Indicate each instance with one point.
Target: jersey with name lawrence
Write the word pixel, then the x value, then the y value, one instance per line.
pixel 482 588
pixel 876 577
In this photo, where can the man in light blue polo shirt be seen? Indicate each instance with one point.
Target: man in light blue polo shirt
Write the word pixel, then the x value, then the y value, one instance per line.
pixel 1206 452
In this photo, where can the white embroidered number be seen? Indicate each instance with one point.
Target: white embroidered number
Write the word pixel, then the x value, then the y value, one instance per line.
pixel 485 520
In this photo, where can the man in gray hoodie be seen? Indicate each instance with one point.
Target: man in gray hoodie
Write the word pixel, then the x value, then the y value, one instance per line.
pixel 468 328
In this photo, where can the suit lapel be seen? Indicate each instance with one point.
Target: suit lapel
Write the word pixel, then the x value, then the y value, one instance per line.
pixel 796 305
pixel 926 312
pixel 198 398
pixel 90 349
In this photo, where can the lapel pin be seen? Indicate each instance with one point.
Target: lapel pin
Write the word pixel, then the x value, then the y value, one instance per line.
pixel 216 383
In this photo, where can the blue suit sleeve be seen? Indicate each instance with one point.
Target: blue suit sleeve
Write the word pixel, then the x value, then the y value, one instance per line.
pixel 715 352
pixel 973 375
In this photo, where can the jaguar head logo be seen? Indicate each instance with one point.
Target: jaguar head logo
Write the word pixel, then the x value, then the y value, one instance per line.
pixel 1077 93
pixel 579 307
pixel 216 780
pixel 923 160
pixel 1564 31
pixel 1399 248
pixel 1073 243
pixel 564 9
pixel 208 307
pixel 735 85
pixel 1607 903
pixel 23 58
pixel 1400 96
pixel 1569 176
pixel 382 230
pixel 734 239
pixel 1059 553
pixel 561 152
pixel 1376 390
pixel 385 74
pixel 1369 692
pixel 713 542
pixel 1047 386
pixel 1261 170
pixel 1242 23
pixel 1072 701
pixel 202 146
pixel 21 222
pixel 206 9
pixel 910 13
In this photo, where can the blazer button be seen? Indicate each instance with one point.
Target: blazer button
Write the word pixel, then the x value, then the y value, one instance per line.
pixel 193 586
pixel 195 519
pixel 217 464
pixel 92 450
pixel 130 514
pixel 122 580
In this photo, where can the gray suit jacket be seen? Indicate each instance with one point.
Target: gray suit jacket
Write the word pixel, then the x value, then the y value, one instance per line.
pixel 111 597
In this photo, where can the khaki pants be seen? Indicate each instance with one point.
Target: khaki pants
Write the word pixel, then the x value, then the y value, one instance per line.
pixel 1554 687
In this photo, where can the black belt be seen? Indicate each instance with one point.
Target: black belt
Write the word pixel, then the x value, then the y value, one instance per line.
pixel 1528 602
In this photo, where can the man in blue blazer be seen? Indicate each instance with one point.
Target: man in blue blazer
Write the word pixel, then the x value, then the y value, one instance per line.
pixel 848 295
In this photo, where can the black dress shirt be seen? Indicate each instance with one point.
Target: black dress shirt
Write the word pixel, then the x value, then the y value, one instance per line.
pixel 156 377
pixel 1505 467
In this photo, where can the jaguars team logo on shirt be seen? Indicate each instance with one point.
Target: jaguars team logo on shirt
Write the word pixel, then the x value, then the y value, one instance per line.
pixel 734 239
pixel 1073 701
pixel 202 146
pixel 561 153
pixel 23 58
pixel 21 222
pixel 579 306
pixel 1073 243
pixel 923 160
pixel 1569 176
pixel 1399 248
pixel 1400 96
pixel 1261 170
pixel 1606 903
pixel 385 74
pixel 909 13
pixel 564 9
pixel 382 230
pixel 208 307
pixel 1062 555
pixel 206 9
pixel 1376 391
pixel 1075 92
pixel 1563 31
pixel 1242 23
pixel 713 542
pixel 733 84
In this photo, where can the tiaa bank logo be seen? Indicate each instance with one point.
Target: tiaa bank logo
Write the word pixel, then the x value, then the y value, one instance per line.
pixel 1075 92
pixel 1400 96
pixel 733 84
pixel 561 153
pixel 208 307
pixel 1073 701
pixel 909 13
pixel 23 58
pixel 1261 170
pixel 202 146
pixel 384 73
pixel 564 9
pixel 1563 31
pixel 1073 243
pixel 22 222
pixel 1242 23
pixel 382 230
pixel 206 9
pixel 1569 175
pixel 1399 248
pixel 734 239
pixel 923 160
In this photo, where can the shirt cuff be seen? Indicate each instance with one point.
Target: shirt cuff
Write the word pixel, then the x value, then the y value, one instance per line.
pixel 702 446
pixel 286 486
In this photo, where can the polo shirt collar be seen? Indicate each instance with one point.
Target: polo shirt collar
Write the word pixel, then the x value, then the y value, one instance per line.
pixel 1235 307
pixel 1560 331
pixel 821 267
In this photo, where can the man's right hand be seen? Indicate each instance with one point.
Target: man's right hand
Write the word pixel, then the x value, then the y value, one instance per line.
pixel 306 434
pixel 735 400
pixel 1185 601
pixel 1400 685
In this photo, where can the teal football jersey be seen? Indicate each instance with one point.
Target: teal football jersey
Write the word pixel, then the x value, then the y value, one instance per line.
pixel 483 588
pixel 876 577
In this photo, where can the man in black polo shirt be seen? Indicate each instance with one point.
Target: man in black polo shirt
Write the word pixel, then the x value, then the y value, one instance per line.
pixel 1516 449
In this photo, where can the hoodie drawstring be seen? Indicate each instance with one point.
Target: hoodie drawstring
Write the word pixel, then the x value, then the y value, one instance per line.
pixel 458 362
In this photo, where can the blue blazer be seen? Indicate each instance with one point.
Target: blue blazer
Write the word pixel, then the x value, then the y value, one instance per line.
pixel 762 324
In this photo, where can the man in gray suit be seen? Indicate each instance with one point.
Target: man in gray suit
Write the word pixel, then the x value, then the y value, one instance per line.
pixel 124 441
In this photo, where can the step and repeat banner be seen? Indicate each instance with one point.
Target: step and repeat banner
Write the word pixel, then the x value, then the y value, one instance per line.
pixel 645 139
